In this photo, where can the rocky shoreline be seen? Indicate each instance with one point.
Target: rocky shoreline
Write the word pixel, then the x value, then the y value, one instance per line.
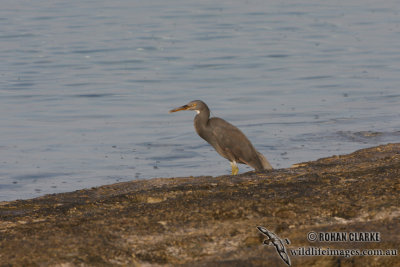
pixel 211 221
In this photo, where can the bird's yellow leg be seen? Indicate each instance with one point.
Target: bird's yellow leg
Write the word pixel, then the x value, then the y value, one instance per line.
pixel 235 168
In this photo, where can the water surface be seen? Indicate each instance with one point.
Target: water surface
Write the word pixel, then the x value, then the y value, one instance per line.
pixel 86 87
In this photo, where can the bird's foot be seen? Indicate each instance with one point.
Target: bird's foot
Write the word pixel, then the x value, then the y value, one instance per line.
pixel 235 170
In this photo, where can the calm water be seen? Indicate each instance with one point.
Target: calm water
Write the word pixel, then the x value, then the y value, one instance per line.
pixel 86 87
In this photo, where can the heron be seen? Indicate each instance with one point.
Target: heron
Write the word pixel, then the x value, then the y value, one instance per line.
pixel 225 138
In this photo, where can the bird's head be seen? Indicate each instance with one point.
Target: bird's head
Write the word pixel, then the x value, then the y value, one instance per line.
pixel 196 105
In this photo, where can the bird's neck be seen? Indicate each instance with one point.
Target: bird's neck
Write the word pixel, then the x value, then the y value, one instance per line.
pixel 201 121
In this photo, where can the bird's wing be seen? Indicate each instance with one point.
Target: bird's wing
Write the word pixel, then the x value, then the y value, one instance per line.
pixel 266 165
pixel 231 141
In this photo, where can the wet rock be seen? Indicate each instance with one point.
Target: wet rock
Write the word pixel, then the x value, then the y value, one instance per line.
pixel 211 221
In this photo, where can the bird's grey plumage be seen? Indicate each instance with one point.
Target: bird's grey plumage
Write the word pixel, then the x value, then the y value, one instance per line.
pixel 226 139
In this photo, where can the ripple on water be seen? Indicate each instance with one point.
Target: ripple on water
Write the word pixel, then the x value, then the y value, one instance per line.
pixel 43 175
pixel 301 80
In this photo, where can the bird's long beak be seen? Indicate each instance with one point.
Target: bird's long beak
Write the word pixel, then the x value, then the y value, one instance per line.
pixel 185 107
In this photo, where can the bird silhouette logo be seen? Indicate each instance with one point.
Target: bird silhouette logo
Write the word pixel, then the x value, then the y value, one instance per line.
pixel 276 241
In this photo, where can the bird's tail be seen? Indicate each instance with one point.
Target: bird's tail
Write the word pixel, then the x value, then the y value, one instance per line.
pixel 264 162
